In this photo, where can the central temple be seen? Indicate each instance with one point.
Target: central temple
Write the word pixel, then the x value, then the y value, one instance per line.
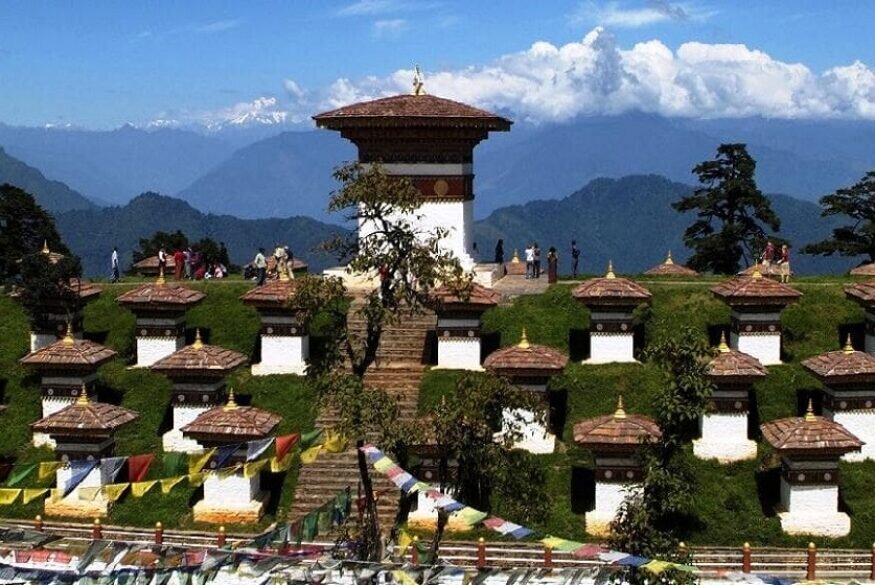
pixel 430 141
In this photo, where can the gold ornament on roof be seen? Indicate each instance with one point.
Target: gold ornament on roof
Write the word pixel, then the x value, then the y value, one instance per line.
pixel 723 347
pixel 160 279
pixel 232 403
pixel 516 257
pixel 418 83
pixel 198 342
pixel 809 412
pixel 524 341
pixel 45 249
pixel 83 397
pixel 610 273
pixel 68 337
pixel 756 270
pixel 620 412
pixel 668 260
pixel 849 347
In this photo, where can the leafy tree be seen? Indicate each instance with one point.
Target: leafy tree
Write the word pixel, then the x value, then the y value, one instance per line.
pixel 24 228
pixel 43 282
pixel 150 246
pixel 857 238
pixel 650 520
pixel 732 212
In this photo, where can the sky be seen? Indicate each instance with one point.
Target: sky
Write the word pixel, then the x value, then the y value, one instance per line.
pixel 101 63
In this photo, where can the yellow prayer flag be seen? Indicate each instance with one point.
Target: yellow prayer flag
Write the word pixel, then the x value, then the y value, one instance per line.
pixel 403 578
pixel 310 455
pixel 196 461
pixel 55 494
pixel 32 494
pixel 226 472
pixel 552 541
pixel 88 493
pixel 139 488
pixel 278 465
pixel 252 469
pixel 404 540
pixel 8 496
pixel 170 483
pixel 335 443
pixel 196 479
pixel 47 468
pixel 114 491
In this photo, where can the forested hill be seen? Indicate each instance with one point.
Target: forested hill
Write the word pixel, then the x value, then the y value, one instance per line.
pixel 52 195
pixel 631 221
pixel 91 234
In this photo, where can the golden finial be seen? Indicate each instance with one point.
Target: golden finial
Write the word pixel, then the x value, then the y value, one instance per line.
pixel 668 260
pixel 723 347
pixel 68 337
pixel 418 83
pixel 232 403
pixel 160 275
pixel 83 396
pixel 809 412
pixel 610 273
pixel 283 270
pixel 620 412
pixel 524 341
pixel 756 270
pixel 97 521
pixel 198 342
pixel 849 347
pixel 45 249
pixel 516 257
pixel 221 529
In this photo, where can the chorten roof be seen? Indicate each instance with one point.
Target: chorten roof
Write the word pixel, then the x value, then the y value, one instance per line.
pixel 864 270
pixel 273 295
pixel 615 431
pixel 86 418
pixel 755 290
pixel 610 289
pixel 87 290
pixel 69 352
pixel 729 363
pixel 526 358
pixel 669 268
pixel 843 365
pixel 411 110
pixel 150 264
pixel 477 296
pixel 861 292
pixel 160 295
pixel 200 357
pixel 232 423
pixel 809 435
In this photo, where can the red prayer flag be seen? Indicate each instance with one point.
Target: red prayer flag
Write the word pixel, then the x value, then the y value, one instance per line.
pixel 285 443
pixel 494 522
pixel 138 467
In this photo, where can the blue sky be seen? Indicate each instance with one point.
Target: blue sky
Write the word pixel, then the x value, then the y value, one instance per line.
pixel 99 63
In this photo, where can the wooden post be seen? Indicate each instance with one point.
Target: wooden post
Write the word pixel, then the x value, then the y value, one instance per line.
pixel 871 564
pixel 38 523
pixel 481 553
pixel 159 533
pixel 811 565
pixel 548 557
pixel 220 540
pixel 745 558
pixel 96 530
pixel 414 554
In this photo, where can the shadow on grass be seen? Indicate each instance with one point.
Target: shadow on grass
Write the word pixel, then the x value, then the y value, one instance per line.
pixel 272 483
pixel 96 336
pixel 753 416
pixel 558 413
pixel 109 395
pixel 582 489
pixel 578 344
pixel 769 490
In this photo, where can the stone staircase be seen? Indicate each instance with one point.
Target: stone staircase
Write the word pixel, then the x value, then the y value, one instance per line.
pixel 398 371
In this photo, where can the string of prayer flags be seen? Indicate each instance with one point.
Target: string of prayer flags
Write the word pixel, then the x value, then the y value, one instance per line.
pixel 254 449
pixel 114 491
pixel 309 439
pixel 507 528
pixel 138 467
pixel 173 463
pixel 470 515
pixel 223 454
pixel 80 470
pixel 140 488
pixel 110 467
pixel 48 468
pixel 169 483
pixel 310 455
pixel 383 464
pixel 30 494
pixel 19 472
pixel 252 469
pixel 8 496
pixel 197 461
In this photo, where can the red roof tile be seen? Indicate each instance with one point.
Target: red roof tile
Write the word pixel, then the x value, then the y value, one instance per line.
pixel 610 290
pixel 864 270
pixel 729 363
pixel 199 357
pixel 846 365
pixel 150 264
pixel 753 290
pixel 85 418
pixel 86 289
pixel 422 110
pixel 156 296
pixel 618 431
pixel 526 357
pixel 478 296
pixel 69 352
pixel 861 292
pixel 809 435
pixel 232 423
pixel 274 294
pixel 669 268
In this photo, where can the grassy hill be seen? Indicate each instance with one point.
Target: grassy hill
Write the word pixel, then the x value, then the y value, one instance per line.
pixel 734 503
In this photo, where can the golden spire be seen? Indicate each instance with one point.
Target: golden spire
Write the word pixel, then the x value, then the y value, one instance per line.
pixel 232 403
pixel 160 275
pixel 198 342
pixel 849 347
pixel 83 397
pixel 668 260
pixel 418 83
pixel 68 337
pixel 610 273
pixel 620 412
pixel 283 270
pixel 756 270
pixel 516 257
pixel 45 249
pixel 524 341
pixel 809 412
pixel 723 347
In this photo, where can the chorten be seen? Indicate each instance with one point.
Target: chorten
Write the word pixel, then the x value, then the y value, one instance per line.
pixel 756 303
pixel 67 368
pixel 530 367
pixel 669 268
pixel 198 373
pixel 160 310
pixel 810 448
pixel 458 325
pixel 430 141
pixel 614 440
pixel 863 293
pixel 611 301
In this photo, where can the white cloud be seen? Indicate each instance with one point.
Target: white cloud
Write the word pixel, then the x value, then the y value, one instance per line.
pixel 613 14
pixel 217 26
pixel 389 27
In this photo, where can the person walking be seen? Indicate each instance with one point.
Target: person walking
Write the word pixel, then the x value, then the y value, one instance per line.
pixel 260 267
pixel 530 261
pixel 178 264
pixel 114 265
pixel 552 266
pixel 575 257
pixel 499 252
pixel 536 254
pixel 785 264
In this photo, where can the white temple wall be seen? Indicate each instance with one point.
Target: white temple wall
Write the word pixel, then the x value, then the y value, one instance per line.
pixel 611 347
pixel 235 491
pixel 459 353
pixel 812 510
pixel 62 476
pixel 152 349
pixel 283 354
pixel 766 347
pixel 862 424
pixel 724 437
pixel 534 436
pixel 609 496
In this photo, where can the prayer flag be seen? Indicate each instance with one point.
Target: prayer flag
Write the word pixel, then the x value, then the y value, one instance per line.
pixel 223 455
pixel 493 522
pixel 81 469
pixel 226 472
pixel 309 439
pixel 8 496
pixel 404 540
pixel 114 491
pixel 173 463
pixel 612 556
pixel 384 464
pixel 138 467
pixel 170 483
pixel 470 515
pixel 32 494
pixel 657 567
pixel 521 532
pixel 48 468
pixel 632 561
pixel 277 465
pixel 252 469
pixel 310 455
pixel 335 443
pixel 254 449
pixel 285 443
pixel 110 468
pixel 308 526
pixel 588 551
pixel 197 461
pixel 19 472
pixel 196 479
pixel 139 488
pixel 89 494
pixel 403 578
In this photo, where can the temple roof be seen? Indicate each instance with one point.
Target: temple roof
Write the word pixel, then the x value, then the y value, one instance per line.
pixel 610 289
pixel 809 435
pixel 85 417
pixel 69 352
pixel 861 292
pixel 755 290
pixel 478 296
pixel 411 110
pixel 526 357
pixel 232 422
pixel 864 270
pixel 615 431
pixel 151 263
pixel 843 364
pixel 160 294
pixel 729 363
pixel 86 289
pixel 273 294
pixel 200 357
pixel 669 268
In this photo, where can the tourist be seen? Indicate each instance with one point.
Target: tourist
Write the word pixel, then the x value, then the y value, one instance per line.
pixel 768 256
pixel 219 270
pixel 785 263
pixel 260 267
pixel 162 261
pixel 536 257
pixel 114 265
pixel 201 272
pixel 530 261
pixel 290 262
pixel 178 263
pixel 188 257
pixel 552 266
pixel 499 252
pixel 575 256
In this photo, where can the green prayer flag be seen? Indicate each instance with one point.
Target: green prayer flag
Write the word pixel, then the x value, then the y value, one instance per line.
pixel 424 551
pixel 325 513
pixel 309 439
pixel 174 464
pixel 309 526
pixel 19 472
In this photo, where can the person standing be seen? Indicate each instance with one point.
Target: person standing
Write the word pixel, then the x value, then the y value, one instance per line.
pixel 536 254
pixel 114 265
pixel 499 252
pixel 769 256
pixel 162 261
pixel 178 264
pixel 552 266
pixel 785 263
pixel 188 256
pixel 530 261
pixel 575 256
pixel 260 267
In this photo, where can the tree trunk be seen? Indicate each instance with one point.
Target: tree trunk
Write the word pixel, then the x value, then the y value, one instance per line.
pixel 442 519
pixel 371 529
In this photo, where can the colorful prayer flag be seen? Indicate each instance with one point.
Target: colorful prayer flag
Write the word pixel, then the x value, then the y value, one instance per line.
pixel 278 465
pixel 335 443
pixel 196 479
pixel 254 468
pixel 197 461
pixel 48 468
pixel 30 495
pixel 284 444
pixel 19 472
pixel 404 540
pixel 384 464
pixel 139 488
pixel 110 468
pixel 114 491
pixel 254 449
pixel 81 469
pixel 8 496
pixel 89 494
pixel 138 467
pixel 170 483
pixel 309 439
pixel 310 455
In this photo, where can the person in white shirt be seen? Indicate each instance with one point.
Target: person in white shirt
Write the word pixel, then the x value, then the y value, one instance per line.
pixel 530 261
pixel 114 264
pixel 162 261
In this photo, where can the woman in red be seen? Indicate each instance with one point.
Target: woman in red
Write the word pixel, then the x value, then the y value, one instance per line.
pixel 179 261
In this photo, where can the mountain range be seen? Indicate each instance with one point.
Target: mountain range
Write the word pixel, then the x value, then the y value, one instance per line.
pixel 53 195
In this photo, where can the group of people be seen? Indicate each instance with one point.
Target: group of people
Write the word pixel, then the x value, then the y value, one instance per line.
pixel 772 257
pixel 533 260
pixel 191 265
pixel 261 268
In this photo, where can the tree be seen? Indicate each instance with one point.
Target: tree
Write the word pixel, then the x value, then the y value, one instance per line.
pixel 24 228
pixel 150 246
pixel 858 238
pixel 650 519
pixel 45 284
pixel 732 212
